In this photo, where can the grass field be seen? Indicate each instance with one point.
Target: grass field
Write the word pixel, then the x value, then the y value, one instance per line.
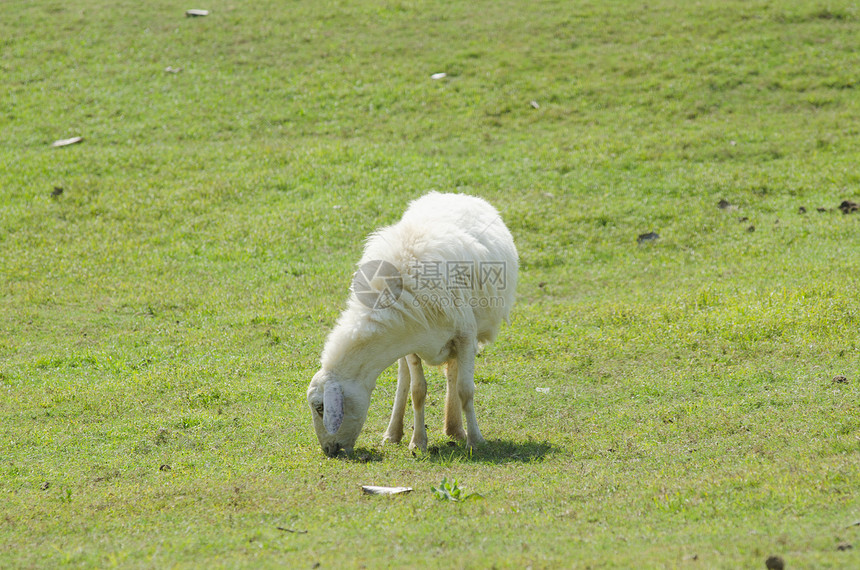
pixel 162 315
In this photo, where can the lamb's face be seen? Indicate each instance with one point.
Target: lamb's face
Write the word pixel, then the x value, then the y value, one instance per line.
pixel 339 409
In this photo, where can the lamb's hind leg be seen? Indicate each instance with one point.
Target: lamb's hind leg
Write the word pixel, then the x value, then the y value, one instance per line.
pixel 419 395
pixel 394 433
pixel 453 407
pixel 467 347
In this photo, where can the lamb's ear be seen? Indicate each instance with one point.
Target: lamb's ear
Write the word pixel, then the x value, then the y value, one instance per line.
pixel 332 407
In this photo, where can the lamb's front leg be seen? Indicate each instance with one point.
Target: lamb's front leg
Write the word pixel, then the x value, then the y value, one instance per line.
pixel 466 350
pixel 419 395
pixel 394 433
pixel 453 407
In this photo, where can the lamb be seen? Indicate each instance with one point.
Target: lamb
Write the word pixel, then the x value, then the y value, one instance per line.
pixel 433 287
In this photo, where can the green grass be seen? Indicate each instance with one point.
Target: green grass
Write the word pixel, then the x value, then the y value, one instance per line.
pixel 161 318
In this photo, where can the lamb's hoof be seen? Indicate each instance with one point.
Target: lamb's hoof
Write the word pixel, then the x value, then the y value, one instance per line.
pixel 474 442
pixel 457 435
pixel 418 445
pixel 391 438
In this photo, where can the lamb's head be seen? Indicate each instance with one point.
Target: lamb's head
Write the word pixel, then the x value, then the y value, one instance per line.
pixel 339 408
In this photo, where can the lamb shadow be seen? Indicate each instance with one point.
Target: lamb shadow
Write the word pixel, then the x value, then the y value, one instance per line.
pixel 362 455
pixel 497 452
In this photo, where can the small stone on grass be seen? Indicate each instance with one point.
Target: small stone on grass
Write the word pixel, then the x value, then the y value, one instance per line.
pixel 374 490
pixel 67 142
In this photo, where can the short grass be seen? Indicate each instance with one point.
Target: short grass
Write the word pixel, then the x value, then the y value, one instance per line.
pixel 161 317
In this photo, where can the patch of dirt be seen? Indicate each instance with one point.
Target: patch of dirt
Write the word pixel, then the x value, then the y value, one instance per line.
pixel 774 563
pixel 726 205
pixel 650 236
pixel 848 207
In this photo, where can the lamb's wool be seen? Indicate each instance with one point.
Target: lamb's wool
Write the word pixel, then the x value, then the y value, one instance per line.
pixel 435 231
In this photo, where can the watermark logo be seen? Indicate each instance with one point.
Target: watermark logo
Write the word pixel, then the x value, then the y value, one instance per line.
pixel 377 284
pixel 458 275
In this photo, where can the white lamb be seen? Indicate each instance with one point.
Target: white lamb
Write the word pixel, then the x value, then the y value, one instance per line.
pixel 433 287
